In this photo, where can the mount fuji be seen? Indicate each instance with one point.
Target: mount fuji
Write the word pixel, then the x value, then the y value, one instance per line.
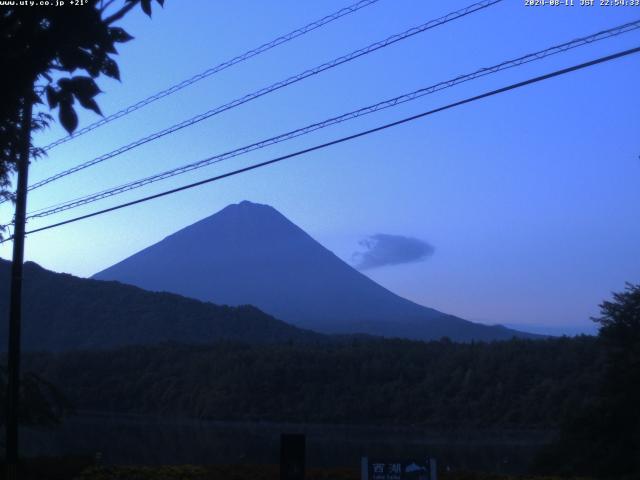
pixel 249 253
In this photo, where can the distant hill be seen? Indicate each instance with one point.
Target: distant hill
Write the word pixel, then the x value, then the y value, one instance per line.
pixel 251 254
pixel 556 330
pixel 63 312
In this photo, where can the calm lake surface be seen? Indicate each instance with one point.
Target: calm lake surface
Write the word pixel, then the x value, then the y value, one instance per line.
pixel 140 439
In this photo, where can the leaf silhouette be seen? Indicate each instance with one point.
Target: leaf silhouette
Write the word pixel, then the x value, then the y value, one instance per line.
pixel 68 117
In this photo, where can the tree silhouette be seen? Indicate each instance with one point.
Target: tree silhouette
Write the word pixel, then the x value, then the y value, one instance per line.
pixel 41 50
pixel 603 439
pixel 620 409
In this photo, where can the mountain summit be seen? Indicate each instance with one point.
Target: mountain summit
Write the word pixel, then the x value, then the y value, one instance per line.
pixel 249 253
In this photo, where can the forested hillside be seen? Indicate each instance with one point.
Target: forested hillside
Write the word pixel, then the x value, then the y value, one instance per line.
pixel 520 383
pixel 63 312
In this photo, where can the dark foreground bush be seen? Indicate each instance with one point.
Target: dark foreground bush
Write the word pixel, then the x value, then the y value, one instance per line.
pixel 50 468
pixel 256 472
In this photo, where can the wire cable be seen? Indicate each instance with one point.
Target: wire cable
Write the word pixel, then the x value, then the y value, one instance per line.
pixel 578 42
pixel 449 106
pixel 213 70
pixel 276 86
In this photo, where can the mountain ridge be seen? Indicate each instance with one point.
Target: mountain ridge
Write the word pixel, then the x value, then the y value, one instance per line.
pixel 62 312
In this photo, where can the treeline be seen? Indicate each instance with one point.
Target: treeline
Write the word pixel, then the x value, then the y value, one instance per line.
pixel 519 383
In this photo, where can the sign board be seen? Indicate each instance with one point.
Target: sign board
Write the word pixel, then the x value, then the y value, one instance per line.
pixel 395 469
pixel 292 456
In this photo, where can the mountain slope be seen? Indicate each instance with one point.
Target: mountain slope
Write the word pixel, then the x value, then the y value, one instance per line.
pixel 63 312
pixel 251 254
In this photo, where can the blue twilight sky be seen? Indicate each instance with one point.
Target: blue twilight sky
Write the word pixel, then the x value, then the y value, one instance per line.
pixel 528 201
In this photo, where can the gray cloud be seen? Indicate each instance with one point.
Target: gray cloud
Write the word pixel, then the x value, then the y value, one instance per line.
pixel 384 249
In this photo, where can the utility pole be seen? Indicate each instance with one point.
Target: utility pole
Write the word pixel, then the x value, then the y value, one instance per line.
pixel 15 305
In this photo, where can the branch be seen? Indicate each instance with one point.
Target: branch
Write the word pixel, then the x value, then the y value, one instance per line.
pixel 105 5
pixel 121 13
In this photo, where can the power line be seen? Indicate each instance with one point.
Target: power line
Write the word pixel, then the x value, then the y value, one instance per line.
pixel 213 70
pixel 276 86
pixel 344 139
pixel 77 202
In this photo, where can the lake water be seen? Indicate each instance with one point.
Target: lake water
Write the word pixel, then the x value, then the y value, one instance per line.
pixel 131 439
